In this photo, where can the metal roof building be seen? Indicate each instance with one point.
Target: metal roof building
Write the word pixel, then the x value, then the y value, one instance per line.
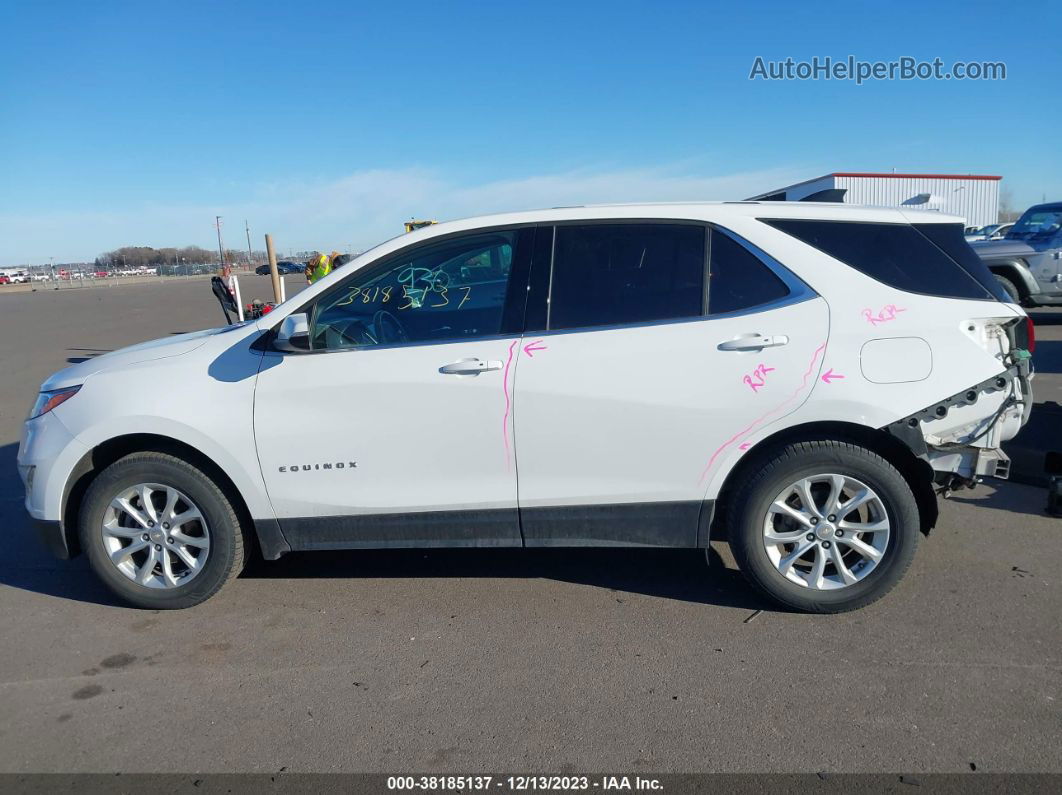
pixel 973 196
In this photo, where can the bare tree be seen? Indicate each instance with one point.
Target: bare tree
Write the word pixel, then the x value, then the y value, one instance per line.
pixel 147 257
pixel 1007 212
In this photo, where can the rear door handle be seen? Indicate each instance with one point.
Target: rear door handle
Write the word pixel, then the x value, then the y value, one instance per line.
pixel 753 342
pixel 470 367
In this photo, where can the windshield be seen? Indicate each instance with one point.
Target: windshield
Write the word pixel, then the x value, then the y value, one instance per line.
pixel 1037 224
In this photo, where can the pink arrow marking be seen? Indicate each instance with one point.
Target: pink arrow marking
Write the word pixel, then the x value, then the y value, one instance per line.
pixel 829 375
pixel 745 446
pixel 531 347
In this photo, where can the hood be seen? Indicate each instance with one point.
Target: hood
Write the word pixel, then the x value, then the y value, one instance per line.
pixel 175 345
pixel 991 249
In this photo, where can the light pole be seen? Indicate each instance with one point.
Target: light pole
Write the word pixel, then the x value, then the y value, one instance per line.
pixel 248 229
pixel 221 246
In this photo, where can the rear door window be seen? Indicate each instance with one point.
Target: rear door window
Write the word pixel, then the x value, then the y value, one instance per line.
pixel 898 255
pixel 617 274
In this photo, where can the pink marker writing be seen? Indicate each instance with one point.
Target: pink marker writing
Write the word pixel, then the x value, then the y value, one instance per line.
pixel 758 377
pixel 887 313
pixel 532 347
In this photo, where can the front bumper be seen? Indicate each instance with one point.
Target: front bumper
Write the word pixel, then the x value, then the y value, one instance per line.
pixel 47 455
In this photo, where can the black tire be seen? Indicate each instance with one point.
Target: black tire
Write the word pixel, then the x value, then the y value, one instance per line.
pixel 1009 287
pixel 750 506
pixel 228 545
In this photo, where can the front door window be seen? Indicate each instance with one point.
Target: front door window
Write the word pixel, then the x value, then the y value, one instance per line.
pixel 451 290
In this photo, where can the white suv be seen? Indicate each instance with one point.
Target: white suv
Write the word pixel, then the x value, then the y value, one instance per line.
pixel 798 378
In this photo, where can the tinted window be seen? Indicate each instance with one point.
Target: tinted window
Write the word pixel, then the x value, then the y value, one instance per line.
pixel 896 254
pixel 737 279
pixel 950 239
pixel 610 274
pixel 1037 223
pixel 448 290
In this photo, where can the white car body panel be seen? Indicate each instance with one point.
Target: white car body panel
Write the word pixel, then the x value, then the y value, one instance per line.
pixel 198 389
pixel 644 413
pixel 422 440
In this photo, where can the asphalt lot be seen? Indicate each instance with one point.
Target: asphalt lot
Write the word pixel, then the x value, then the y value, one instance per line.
pixel 544 661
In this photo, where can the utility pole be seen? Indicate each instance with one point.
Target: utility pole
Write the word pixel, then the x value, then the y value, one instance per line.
pixel 221 246
pixel 248 229
pixel 274 275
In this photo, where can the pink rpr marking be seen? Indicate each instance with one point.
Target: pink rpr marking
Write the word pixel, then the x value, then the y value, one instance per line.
pixel 761 418
pixel 887 313
pixel 508 405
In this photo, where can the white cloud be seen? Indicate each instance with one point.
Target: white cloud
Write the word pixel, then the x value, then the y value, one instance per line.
pixel 361 209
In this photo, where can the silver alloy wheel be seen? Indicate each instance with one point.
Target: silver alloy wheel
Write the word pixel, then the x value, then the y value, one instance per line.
pixel 156 536
pixel 826 531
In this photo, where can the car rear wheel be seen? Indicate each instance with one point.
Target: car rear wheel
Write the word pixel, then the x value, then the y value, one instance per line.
pixel 824 527
pixel 159 532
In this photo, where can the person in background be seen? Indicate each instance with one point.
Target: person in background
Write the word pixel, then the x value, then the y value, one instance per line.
pixel 338 260
pixel 319 266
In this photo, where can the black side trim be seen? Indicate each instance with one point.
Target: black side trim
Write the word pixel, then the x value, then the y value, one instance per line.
pixel 681 524
pixel 641 524
pixel 515 306
pixel 270 538
pixel 54 536
pixel 537 313
pixel 498 527
pixel 704 523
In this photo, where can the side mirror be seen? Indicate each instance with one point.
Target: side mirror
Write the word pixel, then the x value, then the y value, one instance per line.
pixel 293 335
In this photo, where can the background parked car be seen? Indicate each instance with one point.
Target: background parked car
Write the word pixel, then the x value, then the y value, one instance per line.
pixel 5 279
pixel 283 268
pixel 990 232
pixel 1028 261
pixel 1001 232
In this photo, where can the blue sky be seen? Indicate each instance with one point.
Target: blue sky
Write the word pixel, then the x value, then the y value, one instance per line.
pixel 329 123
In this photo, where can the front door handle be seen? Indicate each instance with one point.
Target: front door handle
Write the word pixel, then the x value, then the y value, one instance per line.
pixel 753 342
pixel 470 367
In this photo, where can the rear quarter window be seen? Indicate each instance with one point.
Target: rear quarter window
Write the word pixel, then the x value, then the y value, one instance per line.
pixel 950 239
pixel 737 279
pixel 899 255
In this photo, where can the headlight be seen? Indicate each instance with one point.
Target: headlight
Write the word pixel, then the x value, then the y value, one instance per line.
pixel 46 401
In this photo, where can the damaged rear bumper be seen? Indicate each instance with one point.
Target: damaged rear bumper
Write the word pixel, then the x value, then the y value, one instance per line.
pixel 961 436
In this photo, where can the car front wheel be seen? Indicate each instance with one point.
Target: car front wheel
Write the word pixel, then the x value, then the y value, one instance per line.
pixel 159 532
pixel 824 527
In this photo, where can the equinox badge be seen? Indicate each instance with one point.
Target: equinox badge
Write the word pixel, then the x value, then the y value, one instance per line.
pixel 311 467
